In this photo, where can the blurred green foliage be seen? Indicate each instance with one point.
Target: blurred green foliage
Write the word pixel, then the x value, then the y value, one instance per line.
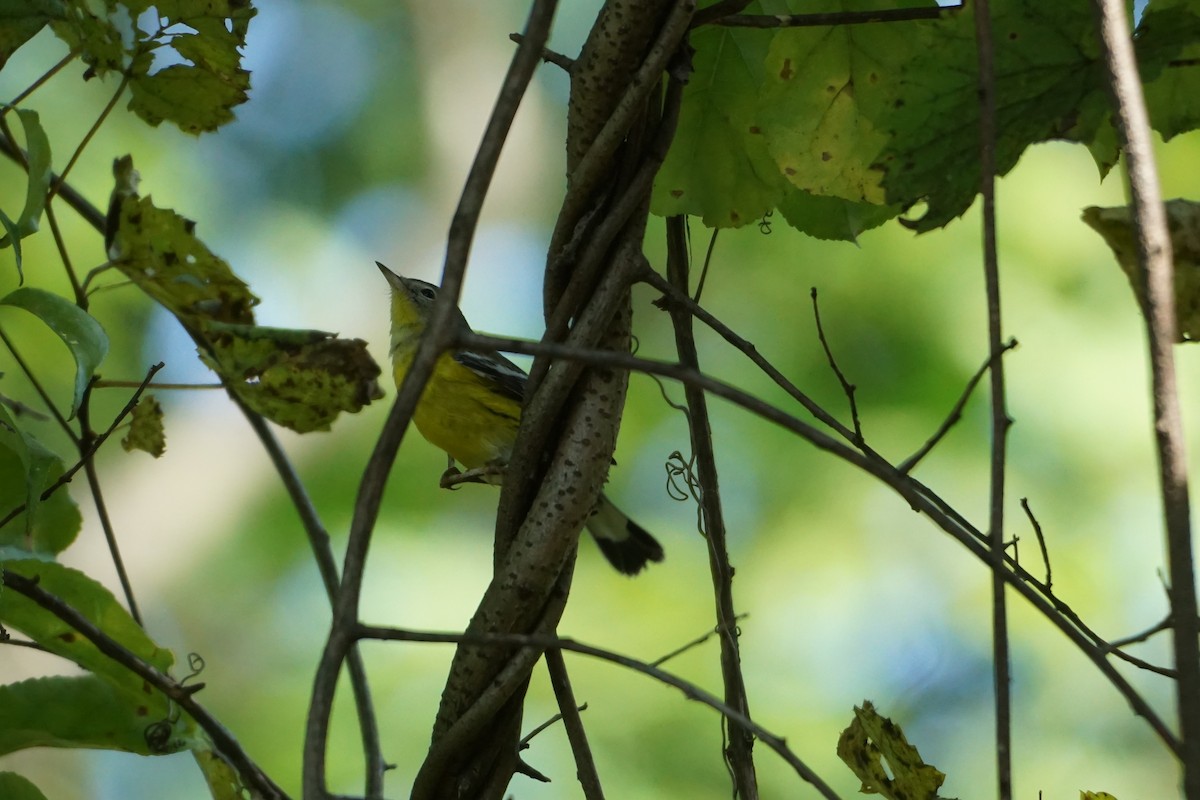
pixel 363 118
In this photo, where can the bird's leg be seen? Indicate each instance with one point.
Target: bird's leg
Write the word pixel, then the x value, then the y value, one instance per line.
pixel 488 473
pixel 450 478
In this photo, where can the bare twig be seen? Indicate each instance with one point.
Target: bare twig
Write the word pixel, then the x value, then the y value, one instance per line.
pixel 1164 625
pixel 1041 539
pixel 847 387
pixel 955 414
pixel 251 774
pixel 565 63
pixel 699 640
pixel 1156 265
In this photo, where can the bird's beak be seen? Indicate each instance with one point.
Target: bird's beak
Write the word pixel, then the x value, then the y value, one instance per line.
pixel 393 279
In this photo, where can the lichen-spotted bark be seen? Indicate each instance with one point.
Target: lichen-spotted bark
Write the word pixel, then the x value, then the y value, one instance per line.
pixel 573 417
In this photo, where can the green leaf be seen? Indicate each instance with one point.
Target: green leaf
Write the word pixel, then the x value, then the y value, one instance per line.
pixel 146 428
pixel 97 605
pixel 37 148
pixel 197 96
pixel 1183 222
pixel 27 468
pixel 832 217
pixel 871 739
pixel 299 379
pixel 80 332
pixel 20 21
pixel 96 38
pixel 718 167
pixel 1047 82
pixel 16 787
pixel 88 711
pixel 1169 28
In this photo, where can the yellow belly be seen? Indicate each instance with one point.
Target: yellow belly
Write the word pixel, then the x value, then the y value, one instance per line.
pixel 462 416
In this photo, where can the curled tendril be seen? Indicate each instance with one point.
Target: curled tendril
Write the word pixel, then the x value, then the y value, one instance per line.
pixel 764 224
pixel 158 734
pixel 682 483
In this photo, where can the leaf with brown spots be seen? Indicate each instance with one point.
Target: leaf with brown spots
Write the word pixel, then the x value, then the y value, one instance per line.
pixel 871 740
pixel 299 379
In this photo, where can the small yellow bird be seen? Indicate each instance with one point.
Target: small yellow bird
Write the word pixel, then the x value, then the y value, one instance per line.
pixel 471 408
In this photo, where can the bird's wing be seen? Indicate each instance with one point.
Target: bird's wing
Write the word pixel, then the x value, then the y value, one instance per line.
pixel 506 376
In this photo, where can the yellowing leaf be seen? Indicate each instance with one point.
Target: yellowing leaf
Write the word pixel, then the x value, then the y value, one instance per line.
pixel 300 379
pixel 158 250
pixel 869 741
pixel 146 428
pixel 1095 796
pixel 1183 222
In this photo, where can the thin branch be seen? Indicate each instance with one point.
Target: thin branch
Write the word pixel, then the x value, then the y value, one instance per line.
pixel 739 753
pixel 101 383
pixel 251 774
pixel 1001 661
pixel 699 640
pixel 37 84
pixel 87 438
pixel 847 387
pixel 1137 638
pixel 565 63
pixel 585 763
pixel 955 414
pixel 690 690
pixel 718 10
pixel 1156 264
pixel 833 18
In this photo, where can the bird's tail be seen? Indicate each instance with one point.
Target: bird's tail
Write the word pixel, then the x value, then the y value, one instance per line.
pixel 626 545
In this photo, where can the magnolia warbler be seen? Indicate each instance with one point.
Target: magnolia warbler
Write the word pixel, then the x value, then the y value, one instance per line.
pixel 471 408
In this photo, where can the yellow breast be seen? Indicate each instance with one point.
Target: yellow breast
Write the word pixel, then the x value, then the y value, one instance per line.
pixel 460 414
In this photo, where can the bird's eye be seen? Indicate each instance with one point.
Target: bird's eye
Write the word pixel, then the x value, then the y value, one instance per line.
pixel 428 293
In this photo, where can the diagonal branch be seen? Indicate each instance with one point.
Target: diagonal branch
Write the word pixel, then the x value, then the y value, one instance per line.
pixel 251 773
pixel 1156 265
